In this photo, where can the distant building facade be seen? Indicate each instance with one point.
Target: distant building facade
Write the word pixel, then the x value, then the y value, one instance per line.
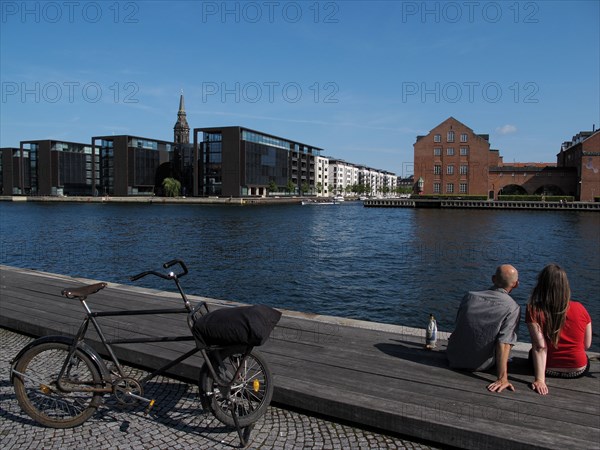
pixel 237 161
pixel 131 165
pixel 453 159
pixel 344 177
pixel 48 167
pixel 406 183
pixel 221 161
pixel 582 154
pixel 10 163
pixel 322 185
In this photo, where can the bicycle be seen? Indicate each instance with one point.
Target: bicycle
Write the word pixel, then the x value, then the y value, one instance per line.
pixel 60 381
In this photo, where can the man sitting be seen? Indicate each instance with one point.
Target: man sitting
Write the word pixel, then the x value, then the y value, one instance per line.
pixel 486 328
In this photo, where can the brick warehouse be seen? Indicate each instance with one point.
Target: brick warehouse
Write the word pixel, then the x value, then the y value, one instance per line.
pixel 453 159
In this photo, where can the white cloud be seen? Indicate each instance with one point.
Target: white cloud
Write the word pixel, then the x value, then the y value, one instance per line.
pixel 506 129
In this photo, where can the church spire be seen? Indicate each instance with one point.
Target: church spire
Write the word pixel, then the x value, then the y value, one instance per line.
pixel 181 129
pixel 181 105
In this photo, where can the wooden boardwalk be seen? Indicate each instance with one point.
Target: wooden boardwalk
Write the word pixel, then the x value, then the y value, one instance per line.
pixel 380 377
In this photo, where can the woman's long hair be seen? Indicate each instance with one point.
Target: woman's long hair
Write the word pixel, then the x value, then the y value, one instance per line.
pixel 549 301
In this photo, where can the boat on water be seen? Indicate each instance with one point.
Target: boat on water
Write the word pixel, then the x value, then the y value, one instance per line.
pixel 317 202
pixel 338 198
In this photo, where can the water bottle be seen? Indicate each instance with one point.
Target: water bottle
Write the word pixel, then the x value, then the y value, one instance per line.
pixel 431 333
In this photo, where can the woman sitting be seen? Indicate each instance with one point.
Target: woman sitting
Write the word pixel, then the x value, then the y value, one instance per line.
pixel 560 329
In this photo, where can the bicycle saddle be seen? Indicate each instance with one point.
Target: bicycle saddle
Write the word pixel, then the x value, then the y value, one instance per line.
pixel 84 291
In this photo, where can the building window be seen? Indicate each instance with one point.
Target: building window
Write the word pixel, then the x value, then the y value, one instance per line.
pixel 450 136
pixel 450 151
pixel 464 169
pixel 450 169
pixel 437 187
pixel 450 188
pixel 437 169
pixel 437 138
pixel 463 137
pixel 464 151
pixel 437 151
pixel 463 188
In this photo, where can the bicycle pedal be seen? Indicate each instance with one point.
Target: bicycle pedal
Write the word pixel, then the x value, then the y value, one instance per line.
pixel 149 407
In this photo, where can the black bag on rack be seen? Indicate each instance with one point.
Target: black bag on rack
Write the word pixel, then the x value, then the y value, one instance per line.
pixel 247 325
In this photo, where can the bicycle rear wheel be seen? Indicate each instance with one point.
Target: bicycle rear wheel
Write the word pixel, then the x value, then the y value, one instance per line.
pixel 250 393
pixel 37 391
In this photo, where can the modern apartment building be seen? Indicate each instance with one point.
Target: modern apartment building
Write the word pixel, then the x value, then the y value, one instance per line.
pixel 322 180
pixel 377 182
pixel 342 176
pixel 10 173
pixel 132 165
pixel 47 167
pixel 237 161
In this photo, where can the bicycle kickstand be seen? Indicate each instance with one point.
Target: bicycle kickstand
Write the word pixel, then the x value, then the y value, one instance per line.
pixel 243 433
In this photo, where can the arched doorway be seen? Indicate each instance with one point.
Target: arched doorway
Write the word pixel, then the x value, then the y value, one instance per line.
pixel 549 189
pixel 513 189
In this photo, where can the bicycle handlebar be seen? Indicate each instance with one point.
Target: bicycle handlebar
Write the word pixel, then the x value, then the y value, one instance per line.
pixel 169 276
pixel 177 261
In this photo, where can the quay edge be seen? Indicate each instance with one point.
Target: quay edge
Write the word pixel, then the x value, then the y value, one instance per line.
pixel 480 204
pixel 158 200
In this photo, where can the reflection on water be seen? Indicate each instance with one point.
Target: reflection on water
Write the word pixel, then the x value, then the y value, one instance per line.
pixel 385 265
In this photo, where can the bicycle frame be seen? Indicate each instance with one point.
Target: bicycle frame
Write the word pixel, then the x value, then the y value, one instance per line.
pixel 91 316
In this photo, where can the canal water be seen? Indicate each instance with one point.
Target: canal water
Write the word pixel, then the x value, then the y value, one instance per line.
pixel 385 265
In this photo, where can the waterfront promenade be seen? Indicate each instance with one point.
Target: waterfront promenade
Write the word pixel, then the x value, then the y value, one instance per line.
pixel 413 202
pixel 151 199
pixel 371 374
pixel 177 422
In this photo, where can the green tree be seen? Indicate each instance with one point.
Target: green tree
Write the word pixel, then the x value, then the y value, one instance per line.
pixel 403 190
pixel 272 186
pixel 319 187
pixel 291 187
pixel 171 186
pixel 304 188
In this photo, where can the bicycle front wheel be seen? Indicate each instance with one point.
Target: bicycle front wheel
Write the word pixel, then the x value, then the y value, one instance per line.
pixel 250 393
pixel 40 397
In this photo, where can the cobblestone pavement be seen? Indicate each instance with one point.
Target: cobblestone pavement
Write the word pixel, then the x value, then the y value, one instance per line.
pixel 176 421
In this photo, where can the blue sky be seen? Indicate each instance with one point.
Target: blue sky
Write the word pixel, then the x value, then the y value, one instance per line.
pixel 358 79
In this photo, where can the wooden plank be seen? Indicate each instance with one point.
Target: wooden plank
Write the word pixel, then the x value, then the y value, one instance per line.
pixel 426 422
pixel 437 381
